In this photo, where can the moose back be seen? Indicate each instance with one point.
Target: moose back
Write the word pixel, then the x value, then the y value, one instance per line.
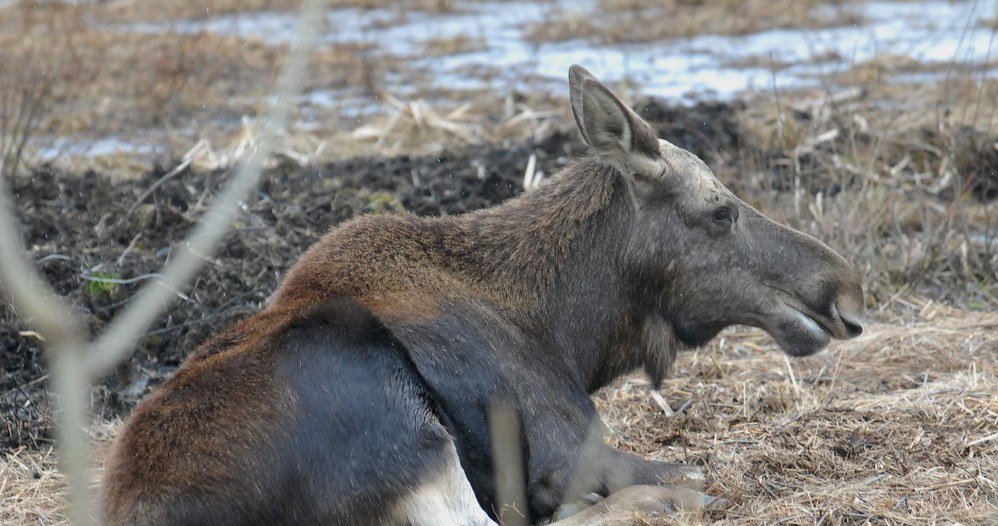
pixel 361 394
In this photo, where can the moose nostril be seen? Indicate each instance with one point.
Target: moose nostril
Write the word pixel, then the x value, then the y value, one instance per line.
pixel 853 327
pixel 849 318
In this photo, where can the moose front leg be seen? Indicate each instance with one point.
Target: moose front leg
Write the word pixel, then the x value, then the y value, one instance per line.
pixel 634 485
pixel 599 470
pixel 571 466
pixel 623 504
pixel 619 470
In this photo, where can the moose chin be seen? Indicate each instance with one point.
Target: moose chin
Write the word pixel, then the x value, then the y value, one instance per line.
pixel 361 394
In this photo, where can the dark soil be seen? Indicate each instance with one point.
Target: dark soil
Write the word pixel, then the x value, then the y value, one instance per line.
pixel 77 226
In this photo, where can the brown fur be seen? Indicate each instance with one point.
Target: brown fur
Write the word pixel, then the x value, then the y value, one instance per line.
pixel 506 255
pixel 182 409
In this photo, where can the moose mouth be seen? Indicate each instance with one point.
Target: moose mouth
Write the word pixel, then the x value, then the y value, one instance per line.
pixel 796 330
pixel 800 334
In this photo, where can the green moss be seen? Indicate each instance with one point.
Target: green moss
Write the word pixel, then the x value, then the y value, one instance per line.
pixel 382 202
pixel 101 285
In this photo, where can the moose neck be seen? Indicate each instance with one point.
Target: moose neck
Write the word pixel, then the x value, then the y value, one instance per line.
pixel 553 259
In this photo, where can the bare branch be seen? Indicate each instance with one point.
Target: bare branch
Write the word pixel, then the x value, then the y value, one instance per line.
pixel 55 320
pixel 511 480
pixel 72 369
pixel 115 343
pixel 36 300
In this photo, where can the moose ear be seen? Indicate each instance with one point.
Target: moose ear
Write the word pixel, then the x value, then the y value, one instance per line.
pixel 606 124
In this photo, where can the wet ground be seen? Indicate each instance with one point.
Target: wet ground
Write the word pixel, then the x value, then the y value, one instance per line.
pixel 467 51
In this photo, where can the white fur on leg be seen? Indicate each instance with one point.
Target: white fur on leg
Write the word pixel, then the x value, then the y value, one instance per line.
pixel 443 501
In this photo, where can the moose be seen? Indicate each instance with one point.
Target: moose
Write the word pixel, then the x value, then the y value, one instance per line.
pixel 361 393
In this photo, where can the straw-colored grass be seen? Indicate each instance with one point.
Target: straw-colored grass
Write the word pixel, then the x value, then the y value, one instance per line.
pixel 896 427
pixel 646 21
pixel 30 488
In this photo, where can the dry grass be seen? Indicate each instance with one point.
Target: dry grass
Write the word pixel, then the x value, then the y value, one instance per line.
pixel 166 10
pixel 107 81
pixel 644 21
pixel 900 178
pixel 170 90
pixel 104 81
pixel 420 127
pixel 436 47
pixel 30 488
pixel 896 427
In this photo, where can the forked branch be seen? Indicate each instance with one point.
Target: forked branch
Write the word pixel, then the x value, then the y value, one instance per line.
pixel 76 363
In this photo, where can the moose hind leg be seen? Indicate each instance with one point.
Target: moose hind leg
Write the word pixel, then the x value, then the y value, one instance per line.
pixel 368 445
pixel 446 498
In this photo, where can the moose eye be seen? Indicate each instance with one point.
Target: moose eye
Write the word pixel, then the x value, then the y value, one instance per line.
pixel 722 214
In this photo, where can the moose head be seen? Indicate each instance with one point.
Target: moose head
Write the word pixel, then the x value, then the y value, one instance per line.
pixel 712 259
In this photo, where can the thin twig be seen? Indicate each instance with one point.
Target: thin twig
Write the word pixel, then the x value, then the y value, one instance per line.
pixel 661 402
pixel 72 369
pixel 134 321
pixel 188 159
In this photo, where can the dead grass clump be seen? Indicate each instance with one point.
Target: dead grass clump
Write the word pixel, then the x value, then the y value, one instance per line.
pixel 419 123
pixel 421 127
pixel 641 21
pixel 31 488
pixel 436 47
pixel 125 11
pixel 834 438
pixel 432 6
pixel 888 70
pixel 158 94
pixel 892 457
pixel 901 179
pixel 106 81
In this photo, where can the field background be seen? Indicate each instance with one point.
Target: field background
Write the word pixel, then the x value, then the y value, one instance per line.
pixel 871 125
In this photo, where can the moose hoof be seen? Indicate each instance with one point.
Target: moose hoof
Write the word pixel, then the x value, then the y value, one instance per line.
pixel 657 499
pixel 622 504
pixel 568 509
pixel 690 477
pixel 715 503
